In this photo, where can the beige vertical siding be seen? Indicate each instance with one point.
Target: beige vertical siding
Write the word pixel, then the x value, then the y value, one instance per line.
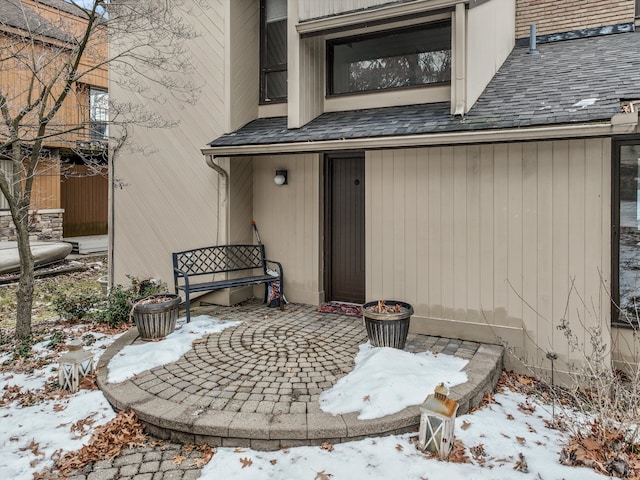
pixel 306 79
pixel 242 62
pixel 493 240
pixel 289 218
pixel 170 198
pixel 241 200
pixel 306 74
pixel 315 9
pixel 554 16
pixel 490 38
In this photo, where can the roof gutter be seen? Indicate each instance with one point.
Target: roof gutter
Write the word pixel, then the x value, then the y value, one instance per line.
pixel 620 124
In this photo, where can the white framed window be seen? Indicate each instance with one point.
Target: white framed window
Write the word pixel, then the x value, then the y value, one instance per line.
pixel 98 114
pixel 6 170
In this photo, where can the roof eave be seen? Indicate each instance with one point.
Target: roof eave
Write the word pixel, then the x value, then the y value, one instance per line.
pixel 620 124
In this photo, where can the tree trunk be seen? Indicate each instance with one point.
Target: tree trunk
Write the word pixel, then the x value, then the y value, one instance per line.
pixel 25 285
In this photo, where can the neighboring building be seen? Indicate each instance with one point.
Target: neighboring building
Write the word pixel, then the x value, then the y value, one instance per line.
pixel 69 199
pixel 430 157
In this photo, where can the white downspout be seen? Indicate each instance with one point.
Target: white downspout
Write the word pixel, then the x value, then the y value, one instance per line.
pixel 459 87
pixel 223 200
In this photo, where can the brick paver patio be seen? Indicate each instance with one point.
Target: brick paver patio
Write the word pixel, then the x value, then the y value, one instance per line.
pixel 258 384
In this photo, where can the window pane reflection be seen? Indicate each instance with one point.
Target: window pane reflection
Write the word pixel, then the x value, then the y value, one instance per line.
pixel 629 260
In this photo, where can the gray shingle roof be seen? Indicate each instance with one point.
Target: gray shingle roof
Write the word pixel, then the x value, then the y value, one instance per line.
pixel 572 81
pixel 15 14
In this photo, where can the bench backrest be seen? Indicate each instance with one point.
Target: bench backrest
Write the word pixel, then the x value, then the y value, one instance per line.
pixel 219 259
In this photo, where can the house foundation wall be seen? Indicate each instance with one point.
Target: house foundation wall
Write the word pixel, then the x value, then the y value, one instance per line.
pixel 44 225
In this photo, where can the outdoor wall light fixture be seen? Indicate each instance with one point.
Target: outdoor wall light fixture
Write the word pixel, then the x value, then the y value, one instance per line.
pixel 280 178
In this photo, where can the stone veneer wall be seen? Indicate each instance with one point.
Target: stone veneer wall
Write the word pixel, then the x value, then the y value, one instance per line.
pixel 556 16
pixel 43 225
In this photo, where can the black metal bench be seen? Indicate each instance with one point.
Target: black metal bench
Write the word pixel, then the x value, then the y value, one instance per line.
pixel 221 259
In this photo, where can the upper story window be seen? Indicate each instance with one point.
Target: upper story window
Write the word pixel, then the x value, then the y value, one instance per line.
pixel 98 114
pixel 6 169
pixel 392 59
pixel 273 51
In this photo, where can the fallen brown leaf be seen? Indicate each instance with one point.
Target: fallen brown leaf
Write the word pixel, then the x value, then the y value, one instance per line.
pixel 107 441
pixel 323 476
pixel 521 465
pixel 458 453
pixel 465 425
pixel 178 459
pixel 328 446
pixel 34 447
pixel 526 408
pixel 246 462
pixel 207 455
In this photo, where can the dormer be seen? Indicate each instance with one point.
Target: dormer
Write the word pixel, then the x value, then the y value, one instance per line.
pixel 376 53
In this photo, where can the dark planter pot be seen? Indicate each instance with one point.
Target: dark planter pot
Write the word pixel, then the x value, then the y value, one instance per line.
pixel 387 329
pixel 156 320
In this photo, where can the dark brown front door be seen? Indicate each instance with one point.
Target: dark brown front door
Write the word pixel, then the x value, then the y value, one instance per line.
pixel 345 246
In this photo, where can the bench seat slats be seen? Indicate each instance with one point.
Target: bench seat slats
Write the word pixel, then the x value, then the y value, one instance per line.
pixel 232 282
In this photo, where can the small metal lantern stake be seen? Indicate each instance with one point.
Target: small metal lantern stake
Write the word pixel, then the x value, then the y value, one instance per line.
pixel 74 365
pixel 437 420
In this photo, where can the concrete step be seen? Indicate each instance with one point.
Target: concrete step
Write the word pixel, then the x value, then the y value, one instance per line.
pixel 88 244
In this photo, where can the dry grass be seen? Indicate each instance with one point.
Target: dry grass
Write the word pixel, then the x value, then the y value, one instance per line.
pixel 44 288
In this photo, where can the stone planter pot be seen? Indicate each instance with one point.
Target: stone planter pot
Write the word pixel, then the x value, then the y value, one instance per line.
pixel 155 316
pixel 387 329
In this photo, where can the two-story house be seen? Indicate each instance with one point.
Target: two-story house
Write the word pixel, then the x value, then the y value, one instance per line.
pixel 431 155
pixel 69 198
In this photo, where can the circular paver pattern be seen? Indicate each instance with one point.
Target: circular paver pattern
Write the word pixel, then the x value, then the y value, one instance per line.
pixel 276 365
pixel 258 384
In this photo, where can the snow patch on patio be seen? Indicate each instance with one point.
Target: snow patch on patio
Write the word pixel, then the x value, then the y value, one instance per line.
pixel 387 380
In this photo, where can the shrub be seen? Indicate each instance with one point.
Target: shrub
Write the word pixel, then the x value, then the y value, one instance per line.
pixel 599 405
pixel 74 306
pixel 117 308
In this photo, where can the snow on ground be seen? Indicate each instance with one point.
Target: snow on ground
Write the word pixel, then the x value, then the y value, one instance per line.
pixel 386 380
pixel 501 430
pixel 29 435
pixel 496 434
pixel 134 359
pixel 46 428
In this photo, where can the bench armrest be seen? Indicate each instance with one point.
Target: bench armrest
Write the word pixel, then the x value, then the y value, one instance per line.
pixel 179 273
pixel 278 264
